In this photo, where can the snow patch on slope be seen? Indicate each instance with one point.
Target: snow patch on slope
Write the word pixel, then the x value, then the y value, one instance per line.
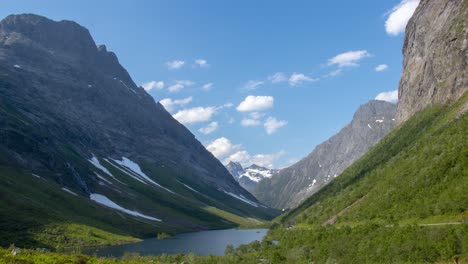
pixel 256 175
pixel 103 200
pixel 242 198
pixel 190 188
pixel 95 161
pixel 68 191
pixel 134 170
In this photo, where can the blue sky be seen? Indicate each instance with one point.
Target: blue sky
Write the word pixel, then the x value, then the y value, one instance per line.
pixel 255 81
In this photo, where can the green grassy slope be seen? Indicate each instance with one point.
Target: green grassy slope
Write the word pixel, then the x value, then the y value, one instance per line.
pixel 418 171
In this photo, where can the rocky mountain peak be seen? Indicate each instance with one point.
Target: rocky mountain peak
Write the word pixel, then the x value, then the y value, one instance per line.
pixel 85 100
pixel 435 56
pixel 66 36
pixel 371 122
pixel 250 176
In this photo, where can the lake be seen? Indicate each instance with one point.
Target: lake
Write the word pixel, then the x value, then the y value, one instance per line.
pixel 201 243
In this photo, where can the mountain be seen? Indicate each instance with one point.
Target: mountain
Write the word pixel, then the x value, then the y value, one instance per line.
pixel 405 200
pixel 75 122
pixel 435 57
pixel 371 122
pixel 249 177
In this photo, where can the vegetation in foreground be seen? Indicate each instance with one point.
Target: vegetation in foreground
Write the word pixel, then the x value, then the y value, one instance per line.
pixel 363 244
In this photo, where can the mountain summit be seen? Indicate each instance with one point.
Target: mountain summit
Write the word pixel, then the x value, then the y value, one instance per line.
pixel 71 114
pixel 292 185
pixel 250 176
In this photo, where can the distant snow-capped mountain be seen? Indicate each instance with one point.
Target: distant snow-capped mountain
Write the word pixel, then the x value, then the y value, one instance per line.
pixel 250 176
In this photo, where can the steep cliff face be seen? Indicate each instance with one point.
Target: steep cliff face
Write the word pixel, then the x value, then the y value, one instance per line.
pixel 435 56
pixel 70 113
pixel 292 185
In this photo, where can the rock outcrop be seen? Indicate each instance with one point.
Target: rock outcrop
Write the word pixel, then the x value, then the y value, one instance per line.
pixel 435 56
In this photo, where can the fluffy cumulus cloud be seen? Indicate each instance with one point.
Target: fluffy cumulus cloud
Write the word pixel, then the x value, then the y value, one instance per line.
pixel 272 125
pixel 252 85
pixel 201 63
pixel 350 58
pixel 207 86
pixel 210 128
pixel 175 64
pixel 153 85
pixel 179 85
pixel 298 78
pixel 250 122
pixel 277 77
pixel 391 96
pixel 195 115
pixel 399 17
pixel 264 160
pixel 170 104
pixel 255 103
pixel 223 149
pixel 381 68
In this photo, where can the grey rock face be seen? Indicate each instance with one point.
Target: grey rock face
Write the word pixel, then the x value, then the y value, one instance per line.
pixel 294 184
pixel 235 168
pixel 435 56
pixel 249 177
pixel 78 99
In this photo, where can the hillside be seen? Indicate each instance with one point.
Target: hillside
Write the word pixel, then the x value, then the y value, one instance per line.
pixel 294 184
pixel 81 144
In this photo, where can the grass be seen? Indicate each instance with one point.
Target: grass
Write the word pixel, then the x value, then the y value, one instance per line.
pixel 243 222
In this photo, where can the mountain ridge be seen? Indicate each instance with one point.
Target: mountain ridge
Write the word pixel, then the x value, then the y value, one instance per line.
pixel 292 185
pixel 72 116
pixel 250 176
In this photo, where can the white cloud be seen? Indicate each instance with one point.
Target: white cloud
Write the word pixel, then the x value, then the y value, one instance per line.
pixel 256 115
pixel 207 86
pixel 264 160
pixel 222 147
pixel 399 17
pixel 195 115
pixel 298 78
pixel 272 125
pixel 255 103
pixel 153 85
pixel 381 67
pixel 179 85
pixel 175 64
pixel 253 84
pixel 391 96
pixel 201 63
pixel 170 104
pixel 231 120
pixel 350 58
pixel 228 105
pixel 332 74
pixel 250 122
pixel 277 77
pixel 210 128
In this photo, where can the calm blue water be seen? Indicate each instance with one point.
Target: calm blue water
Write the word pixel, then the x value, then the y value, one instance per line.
pixel 201 243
